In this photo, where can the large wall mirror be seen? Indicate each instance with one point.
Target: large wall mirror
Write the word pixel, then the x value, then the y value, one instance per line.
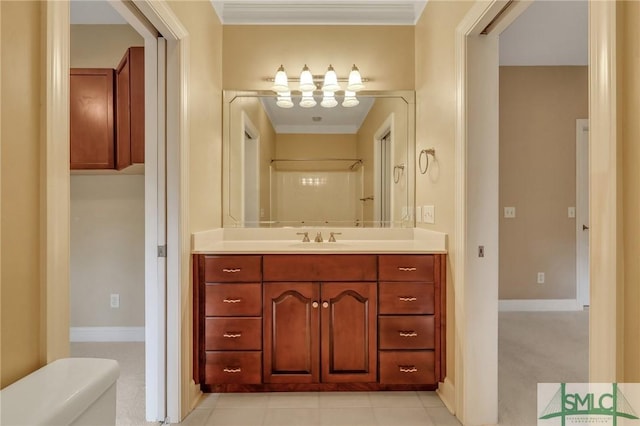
pixel 306 167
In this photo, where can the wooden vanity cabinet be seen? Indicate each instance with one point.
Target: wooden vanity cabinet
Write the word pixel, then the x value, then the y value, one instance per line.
pixel 317 329
pixel 281 322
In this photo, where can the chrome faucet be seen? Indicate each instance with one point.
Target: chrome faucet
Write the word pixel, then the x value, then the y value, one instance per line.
pixel 318 238
pixel 332 236
pixel 305 239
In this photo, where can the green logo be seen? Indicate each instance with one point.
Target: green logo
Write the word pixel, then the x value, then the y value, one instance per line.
pixel 565 404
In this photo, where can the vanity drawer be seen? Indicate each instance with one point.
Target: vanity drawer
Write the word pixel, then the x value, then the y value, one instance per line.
pixel 406 298
pixel 320 267
pixel 232 268
pixel 233 367
pixel 228 300
pixel 236 334
pixel 406 332
pixel 406 268
pixel 407 367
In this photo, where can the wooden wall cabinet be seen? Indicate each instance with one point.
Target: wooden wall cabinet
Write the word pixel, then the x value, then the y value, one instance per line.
pixel 92 131
pixel 130 108
pixel 107 114
pixel 328 322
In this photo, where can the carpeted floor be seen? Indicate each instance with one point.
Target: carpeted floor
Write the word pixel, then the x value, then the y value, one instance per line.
pixel 533 347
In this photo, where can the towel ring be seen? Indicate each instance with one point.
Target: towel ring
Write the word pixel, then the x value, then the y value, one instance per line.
pixel 426 153
pixel 397 172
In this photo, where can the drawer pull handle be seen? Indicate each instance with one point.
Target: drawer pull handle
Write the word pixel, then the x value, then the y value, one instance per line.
pixel 232 300
pixel 411 269
pixel 408 369
pixel 408 333
pixel 232 370
pixel 407 299
pixel 231 270
pixel 231 335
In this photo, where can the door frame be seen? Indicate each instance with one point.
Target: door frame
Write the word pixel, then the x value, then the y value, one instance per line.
pixel 55 207
pixel 388 126
pixel 249 128
pixel 469 392
pixel 582 181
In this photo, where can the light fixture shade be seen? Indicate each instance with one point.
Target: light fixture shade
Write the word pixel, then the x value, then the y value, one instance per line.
pixel 280 82
pixel 350 99
pixel 329 100
pixel 284 100
pixel 330 81
pixel 355 80
pixel 306 80
pixel 307 100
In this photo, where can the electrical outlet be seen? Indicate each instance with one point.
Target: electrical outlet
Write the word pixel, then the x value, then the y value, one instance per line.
pixel 540 277
pixel 571 212
pixel 510 212
pixel 115 300
pixel 419 214
pixel 429 214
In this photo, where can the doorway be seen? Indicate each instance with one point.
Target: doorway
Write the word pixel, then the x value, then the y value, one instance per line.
pixel 251 213
pixel 383 174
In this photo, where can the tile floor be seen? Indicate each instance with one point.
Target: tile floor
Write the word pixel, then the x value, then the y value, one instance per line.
pixel 322 409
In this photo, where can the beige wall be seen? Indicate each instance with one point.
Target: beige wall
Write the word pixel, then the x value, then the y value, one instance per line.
pixel 107 250
pixel 383 53
pixel 101 46
pixel 22 305
pixel 205 147
pixel 629 130
pixel 538 111
pixel 107 212
pixel 292 145
pixel 436 125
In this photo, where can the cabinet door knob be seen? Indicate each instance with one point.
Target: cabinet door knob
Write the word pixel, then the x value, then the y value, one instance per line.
pixel 314 304
pixel 325 304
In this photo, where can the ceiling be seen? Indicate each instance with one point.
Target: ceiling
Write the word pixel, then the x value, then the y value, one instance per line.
pixel 94 12
pixel 327 12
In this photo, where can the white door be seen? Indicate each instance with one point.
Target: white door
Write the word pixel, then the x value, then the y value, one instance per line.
pixel 582 211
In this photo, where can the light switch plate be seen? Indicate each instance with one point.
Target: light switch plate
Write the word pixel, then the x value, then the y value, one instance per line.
pixel 571 212
pixel 510 212
pixel 428 214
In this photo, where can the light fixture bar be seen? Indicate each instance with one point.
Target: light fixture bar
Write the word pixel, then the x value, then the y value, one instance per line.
pixel 318 79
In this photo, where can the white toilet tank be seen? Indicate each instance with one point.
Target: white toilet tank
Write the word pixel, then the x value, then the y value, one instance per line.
pixel 69 391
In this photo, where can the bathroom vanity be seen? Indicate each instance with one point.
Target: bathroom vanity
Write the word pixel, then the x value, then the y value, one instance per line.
pixel 360 314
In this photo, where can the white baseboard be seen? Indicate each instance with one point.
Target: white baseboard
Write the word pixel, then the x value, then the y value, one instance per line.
pixel 106 334
pixel 508 305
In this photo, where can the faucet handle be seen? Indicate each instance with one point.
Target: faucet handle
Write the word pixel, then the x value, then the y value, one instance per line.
pixel 305 239
pixel 332 236
pixel 318 238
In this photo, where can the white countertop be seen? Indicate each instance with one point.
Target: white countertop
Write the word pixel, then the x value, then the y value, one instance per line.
pixel 351 240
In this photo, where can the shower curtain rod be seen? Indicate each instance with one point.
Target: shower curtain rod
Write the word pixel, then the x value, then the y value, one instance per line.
pixel 356 161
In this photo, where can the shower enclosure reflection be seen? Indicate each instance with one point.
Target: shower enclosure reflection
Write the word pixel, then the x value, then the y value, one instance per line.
pixel 318 166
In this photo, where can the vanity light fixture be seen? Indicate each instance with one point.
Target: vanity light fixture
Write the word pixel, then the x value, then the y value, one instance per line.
pixel 329 100
pixel 309 83
pixel 281 82
pixel 307 100
pixel 350 99
pixel 284 100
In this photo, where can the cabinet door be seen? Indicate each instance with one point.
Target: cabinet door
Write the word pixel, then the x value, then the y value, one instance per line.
pixel 91 118
pixel 123 115
pixel 291 331
pixel 348 332
pixel 130 108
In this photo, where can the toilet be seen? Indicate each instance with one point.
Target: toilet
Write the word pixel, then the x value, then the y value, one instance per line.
pixel 69 391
